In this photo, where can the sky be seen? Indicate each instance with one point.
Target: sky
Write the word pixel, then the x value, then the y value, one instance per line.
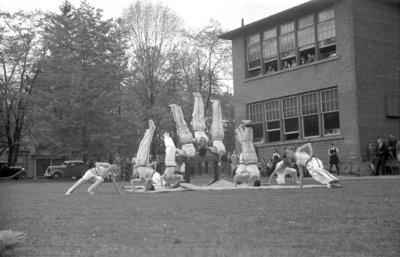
pixel 195 14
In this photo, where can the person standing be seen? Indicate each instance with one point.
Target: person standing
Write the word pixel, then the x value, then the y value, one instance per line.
pixel 333 158
pixel 381 152
pixel 392 142
pixel 234 163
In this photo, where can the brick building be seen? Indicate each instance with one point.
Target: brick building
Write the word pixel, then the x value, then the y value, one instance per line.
pixel 324 71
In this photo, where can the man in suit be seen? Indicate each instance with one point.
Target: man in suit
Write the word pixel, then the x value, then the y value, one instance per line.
pixel 381 153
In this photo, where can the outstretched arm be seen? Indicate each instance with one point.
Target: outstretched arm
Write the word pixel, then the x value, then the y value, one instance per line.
pixel 115 183
pixel 306 148
pixel 301 171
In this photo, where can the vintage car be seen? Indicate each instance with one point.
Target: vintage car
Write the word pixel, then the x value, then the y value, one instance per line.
pixel 69 169
pixel 14 172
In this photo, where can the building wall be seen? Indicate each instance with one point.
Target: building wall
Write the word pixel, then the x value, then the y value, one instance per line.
pixel 377 37
pixel 337 71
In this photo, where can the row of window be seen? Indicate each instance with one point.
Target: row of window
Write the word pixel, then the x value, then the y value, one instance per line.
pixel 294 45
pixel 300 116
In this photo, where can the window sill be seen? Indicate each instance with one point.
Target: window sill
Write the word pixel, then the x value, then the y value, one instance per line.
pixel 262 76
pixel 300 141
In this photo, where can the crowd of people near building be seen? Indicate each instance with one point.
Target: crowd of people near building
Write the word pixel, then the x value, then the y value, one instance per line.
pixel 381 151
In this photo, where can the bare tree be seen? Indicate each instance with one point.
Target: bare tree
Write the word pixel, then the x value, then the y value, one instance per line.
pixel 21 55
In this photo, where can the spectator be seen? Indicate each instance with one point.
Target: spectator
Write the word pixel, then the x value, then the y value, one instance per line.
pixel 370 152
pixel 294 64
pixel 262 166
pixel 270 69
pixel 381 153
pixel 333 158
pixel 398 150
pixel 275 159
pixel 234 162
pixel 286 65
pixel 392 142
pixel 302 60
pixel 310 58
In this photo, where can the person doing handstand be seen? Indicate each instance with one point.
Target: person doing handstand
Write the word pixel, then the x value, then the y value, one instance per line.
pixel 184 134
pixel 217 132
pixel 142 169
pixel 199 124
pixel 244 136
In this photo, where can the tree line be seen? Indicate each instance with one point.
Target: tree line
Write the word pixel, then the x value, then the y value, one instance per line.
pixel 85 87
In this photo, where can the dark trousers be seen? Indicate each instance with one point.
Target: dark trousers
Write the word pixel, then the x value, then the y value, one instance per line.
pixel 337 168
pixel 380 165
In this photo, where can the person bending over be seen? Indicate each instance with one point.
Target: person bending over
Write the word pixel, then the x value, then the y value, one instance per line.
pixel 305 160
pixel 97 175
pixel 285 167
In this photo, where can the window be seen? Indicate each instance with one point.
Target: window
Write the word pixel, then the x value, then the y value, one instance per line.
pixel 326 34
pixel 290 117
pixel 330 111
pixel 254 55
pixel 273 123
pixel 270 50
pixel 309 113
pixel 306 39
pixel 255 115
pixel 287 45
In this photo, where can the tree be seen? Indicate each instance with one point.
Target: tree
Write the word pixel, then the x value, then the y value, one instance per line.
pixel 21 57
pixel 82 76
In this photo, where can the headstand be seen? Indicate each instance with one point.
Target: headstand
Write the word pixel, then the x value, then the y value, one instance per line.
pixel 285 167
pixel 217 132
pixel 305 159
pixel 170 163
pixel 141 166
pixel 184 134
pixel 199 124
pixel 97 175
pixel 244 135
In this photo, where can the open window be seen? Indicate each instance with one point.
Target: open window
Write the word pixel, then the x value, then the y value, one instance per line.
pixel 270 51
pixel 290 115
pixel 326 34
pixel 287 46
pixel 253 55
pixel 306 40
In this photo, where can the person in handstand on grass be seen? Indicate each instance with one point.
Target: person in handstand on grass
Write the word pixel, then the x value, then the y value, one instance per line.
pixel 199 124
pixel 142 169
pixel 217 132
pixel 244 136
pixel 184 134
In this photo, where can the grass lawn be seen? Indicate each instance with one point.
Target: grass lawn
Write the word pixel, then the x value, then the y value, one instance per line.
pixel 360 219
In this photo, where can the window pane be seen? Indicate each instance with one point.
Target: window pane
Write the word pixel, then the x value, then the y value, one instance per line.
pixel 272 110
pixel 287 42
pixel 326 30
pixel 257 132
pixel 311 127
pixel 326 15
pixel 270 48
pixel 289 107
pixel 273 125
pixel 255 112
pixel 253 53
pixel 254 39
pixel 309 104
pixel 269 34
pixel 287 28
pixel 291 125
pixel 306 22
pixel 306 36
pixel 329 100
pixel 331 123
pixel 274 136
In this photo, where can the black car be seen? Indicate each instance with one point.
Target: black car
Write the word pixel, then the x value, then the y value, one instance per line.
pixel 14 172
pixel 69 169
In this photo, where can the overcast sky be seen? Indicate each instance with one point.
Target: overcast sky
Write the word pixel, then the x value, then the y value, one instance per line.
pixel 195 14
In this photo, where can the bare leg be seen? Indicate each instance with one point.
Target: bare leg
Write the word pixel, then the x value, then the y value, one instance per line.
pixel 99 181
pixel 79 183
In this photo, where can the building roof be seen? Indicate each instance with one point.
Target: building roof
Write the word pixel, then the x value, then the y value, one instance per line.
pixel 277 18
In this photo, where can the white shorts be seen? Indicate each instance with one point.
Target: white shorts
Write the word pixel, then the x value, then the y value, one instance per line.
pixel 91 175
pixel 145 172
pixel 188 150
pixel 253 170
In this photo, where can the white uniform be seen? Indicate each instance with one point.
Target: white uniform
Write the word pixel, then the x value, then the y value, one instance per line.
pixel 282 171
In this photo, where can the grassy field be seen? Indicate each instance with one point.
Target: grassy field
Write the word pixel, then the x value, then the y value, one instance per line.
pixel 360 219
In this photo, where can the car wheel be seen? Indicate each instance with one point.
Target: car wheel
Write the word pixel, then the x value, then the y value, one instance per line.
pixel 22 176
pixel 57 175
